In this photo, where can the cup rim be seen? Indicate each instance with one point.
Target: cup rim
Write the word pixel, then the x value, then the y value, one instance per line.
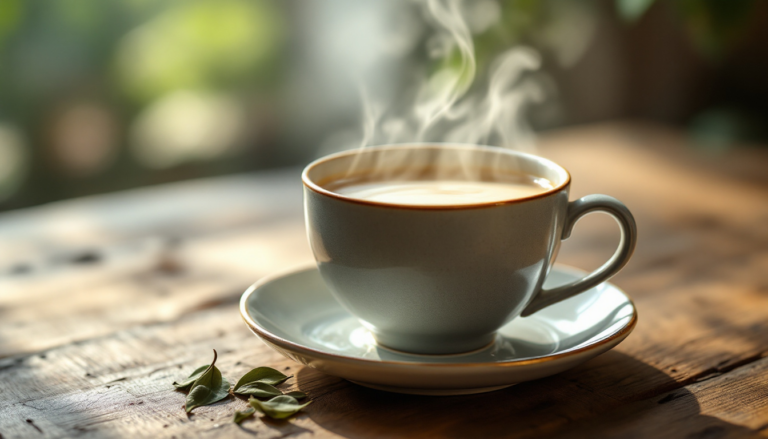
pixel 308 183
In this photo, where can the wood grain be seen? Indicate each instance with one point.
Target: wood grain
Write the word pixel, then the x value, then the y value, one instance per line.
pixel 105 301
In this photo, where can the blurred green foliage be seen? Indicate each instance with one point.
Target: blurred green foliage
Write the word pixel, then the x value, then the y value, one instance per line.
pixel 198 45
pixel 108 61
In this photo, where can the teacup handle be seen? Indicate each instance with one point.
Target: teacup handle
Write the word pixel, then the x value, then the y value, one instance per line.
pixel 577 209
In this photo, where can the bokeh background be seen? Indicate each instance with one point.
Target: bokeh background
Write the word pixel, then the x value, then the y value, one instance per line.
pixel 104 95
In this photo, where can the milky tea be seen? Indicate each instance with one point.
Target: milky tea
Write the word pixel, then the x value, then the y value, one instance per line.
pixel 443 192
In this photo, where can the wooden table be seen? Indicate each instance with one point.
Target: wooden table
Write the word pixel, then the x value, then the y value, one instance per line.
pixel 105 301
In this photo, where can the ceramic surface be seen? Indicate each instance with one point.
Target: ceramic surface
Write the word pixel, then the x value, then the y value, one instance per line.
pixel 443 279
pixel 296 314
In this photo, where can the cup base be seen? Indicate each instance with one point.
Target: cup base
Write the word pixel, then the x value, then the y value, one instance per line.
pixel 433 345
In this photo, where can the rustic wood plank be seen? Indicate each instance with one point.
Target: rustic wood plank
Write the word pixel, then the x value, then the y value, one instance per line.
pixel 117 262
pixel 144 286
pixel 107 311
pixel 732 405
pixel 121 384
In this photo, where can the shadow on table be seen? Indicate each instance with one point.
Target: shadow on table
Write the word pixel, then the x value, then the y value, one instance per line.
pixel 612 395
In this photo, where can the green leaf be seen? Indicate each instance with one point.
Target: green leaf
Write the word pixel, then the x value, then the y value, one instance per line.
pixel 208 388
pixel 201 395
pixel 241 416
pixel 259 390
pixel 279 407
pixel 265 375
pixel 631 10
pixel 296 394
pixel 187 382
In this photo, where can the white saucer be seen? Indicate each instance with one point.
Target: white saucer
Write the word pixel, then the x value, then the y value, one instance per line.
pixel 296 314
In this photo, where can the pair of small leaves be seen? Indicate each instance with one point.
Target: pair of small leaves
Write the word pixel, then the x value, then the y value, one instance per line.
pixel 207 386
pixel 261 382
pixel 279 407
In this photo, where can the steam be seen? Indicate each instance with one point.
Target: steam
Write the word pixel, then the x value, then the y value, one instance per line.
pixel 450 105
pixel 498 117
pixel 441 93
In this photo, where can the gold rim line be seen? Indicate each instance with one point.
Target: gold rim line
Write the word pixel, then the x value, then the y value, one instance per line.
pixel 287 344
pixel 309 184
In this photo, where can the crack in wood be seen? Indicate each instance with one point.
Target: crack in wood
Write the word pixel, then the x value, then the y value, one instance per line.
pixel 24 404
pixel 116 380
pixel 32 423
pixel 722 368
pixel 154 371
pixel 672 397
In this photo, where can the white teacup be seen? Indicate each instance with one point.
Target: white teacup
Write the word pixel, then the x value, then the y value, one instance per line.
pixel 441 279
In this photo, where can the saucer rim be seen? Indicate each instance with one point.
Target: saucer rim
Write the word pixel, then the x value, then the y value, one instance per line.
pixel 619 335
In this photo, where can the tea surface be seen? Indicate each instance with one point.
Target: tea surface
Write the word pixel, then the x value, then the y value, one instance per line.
pixel 443 192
